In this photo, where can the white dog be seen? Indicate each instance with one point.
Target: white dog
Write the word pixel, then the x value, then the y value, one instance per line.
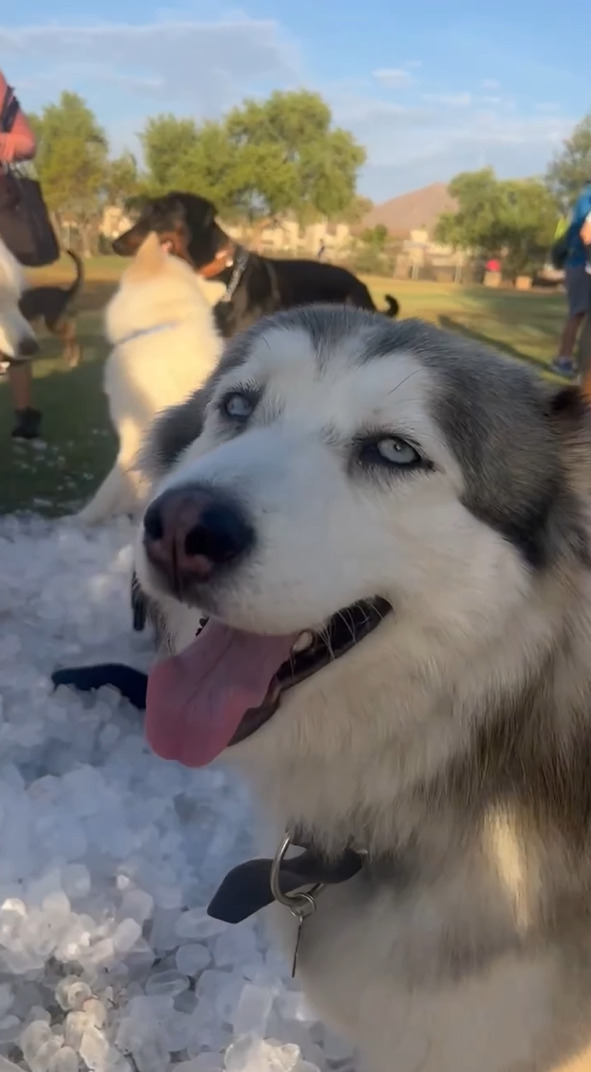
pixel 164 345
pixel 389 528
pixel 17 338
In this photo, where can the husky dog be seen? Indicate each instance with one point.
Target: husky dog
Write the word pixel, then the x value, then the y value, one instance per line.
pixel 165 344
pixel 388 527
pixel 17 338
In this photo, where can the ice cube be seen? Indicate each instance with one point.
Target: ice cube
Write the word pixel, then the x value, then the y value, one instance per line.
pixel 65 1060
pixel 8 1066
pixel 252 1011
pixel 137 904
pixel 6 998
pixel 95 1012
pixel 196 924
pixel 75 1025
pixel 75 879
pixel 192 959
pixel 94 1049
pixel 71 992
pixel 126 935
pixel 33 1037
pixel 10 1028
pixel 168 983
pixel 203 1062
pixel 247 1054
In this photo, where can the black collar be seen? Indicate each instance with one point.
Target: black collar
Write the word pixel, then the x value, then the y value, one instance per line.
pixel 247 888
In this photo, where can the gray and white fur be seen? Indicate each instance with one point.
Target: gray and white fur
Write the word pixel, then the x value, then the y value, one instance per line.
pixel 454 742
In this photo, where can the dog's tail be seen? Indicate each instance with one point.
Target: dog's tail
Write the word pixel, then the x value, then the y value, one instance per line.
pixel 393 307
pixel 79 279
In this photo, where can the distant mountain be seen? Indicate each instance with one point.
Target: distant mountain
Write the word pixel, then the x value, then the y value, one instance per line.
pixel 420 208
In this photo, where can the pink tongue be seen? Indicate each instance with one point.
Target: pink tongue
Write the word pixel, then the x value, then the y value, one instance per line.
pixel 197 700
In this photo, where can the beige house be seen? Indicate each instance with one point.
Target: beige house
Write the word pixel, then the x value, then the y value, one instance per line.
pixel 288 237
pixel 282 237
pixel 114 222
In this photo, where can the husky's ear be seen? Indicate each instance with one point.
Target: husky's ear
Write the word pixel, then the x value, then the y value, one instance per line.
pixel 149 259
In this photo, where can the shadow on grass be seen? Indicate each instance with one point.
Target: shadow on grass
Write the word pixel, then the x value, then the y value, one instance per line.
pixel 451 324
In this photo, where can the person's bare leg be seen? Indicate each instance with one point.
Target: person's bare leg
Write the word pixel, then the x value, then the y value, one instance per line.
pixel 569 335
pixel 21 381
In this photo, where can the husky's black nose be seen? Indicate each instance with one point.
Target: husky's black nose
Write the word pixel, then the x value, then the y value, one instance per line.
pixel 190 534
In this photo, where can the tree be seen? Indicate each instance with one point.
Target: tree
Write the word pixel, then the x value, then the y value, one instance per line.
pixel 375 238
pixel 318 165
pixel 475 225
pixel 359 208
pixel 514 218
pixel 122 181
pixel 264 159
pixel 571 168
pixel 168 143
pixel 71 161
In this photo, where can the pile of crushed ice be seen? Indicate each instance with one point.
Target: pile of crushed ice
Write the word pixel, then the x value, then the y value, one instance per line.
pixel 108 855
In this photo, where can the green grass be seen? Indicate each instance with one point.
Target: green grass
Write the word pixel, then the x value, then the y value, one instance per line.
pixel 58 476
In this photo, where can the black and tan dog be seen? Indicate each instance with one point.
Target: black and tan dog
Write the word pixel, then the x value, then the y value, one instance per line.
pixel 255 286
pixel 55 307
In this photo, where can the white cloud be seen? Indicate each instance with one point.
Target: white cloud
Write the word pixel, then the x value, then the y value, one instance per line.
pixel 392 77
pixel 208 65
pixel 413 146
pixel 187 66
pixel 449 100
pixel 490 83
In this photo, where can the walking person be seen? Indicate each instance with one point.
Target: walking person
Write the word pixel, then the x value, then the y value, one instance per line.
pixel 17 144
pixel 577 280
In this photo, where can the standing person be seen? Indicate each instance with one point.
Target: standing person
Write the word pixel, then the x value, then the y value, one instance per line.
pixel 15 146
pixel 577 280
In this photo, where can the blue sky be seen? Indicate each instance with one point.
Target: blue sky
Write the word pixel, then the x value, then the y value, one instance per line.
pixel 430 88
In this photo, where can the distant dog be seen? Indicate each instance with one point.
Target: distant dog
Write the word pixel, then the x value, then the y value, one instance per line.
pixel 389 529
pixel 55 306
pixel 164 345
pixel 255 285
pixel 17 338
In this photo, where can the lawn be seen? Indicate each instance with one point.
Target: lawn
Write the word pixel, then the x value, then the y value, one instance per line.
pixel 58 474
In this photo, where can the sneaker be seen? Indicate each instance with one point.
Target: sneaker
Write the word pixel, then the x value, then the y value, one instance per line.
pixel 27 424
pixel 564 366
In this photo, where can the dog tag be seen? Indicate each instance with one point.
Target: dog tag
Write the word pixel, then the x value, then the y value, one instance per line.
pixel 306 907
pixel 294 962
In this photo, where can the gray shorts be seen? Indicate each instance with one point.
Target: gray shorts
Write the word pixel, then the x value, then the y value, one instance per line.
pixel 577 283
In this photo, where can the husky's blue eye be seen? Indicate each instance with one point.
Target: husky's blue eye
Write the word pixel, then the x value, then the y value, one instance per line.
pixel 238 406
pixel 396 451
pixel 389 451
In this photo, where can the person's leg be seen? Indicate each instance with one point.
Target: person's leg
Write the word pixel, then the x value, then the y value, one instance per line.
pixel 585 349
pixel 28 419
pixel 20 378
pixel 577 296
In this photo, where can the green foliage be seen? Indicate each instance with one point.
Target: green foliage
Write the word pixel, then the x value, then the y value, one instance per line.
pixel 571 169
pixel 514 219
pixel 122 182
pixel 375 238
pixel 265 158
pixel 72 156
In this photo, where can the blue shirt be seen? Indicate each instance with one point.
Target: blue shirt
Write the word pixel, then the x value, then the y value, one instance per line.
pixel 577 257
